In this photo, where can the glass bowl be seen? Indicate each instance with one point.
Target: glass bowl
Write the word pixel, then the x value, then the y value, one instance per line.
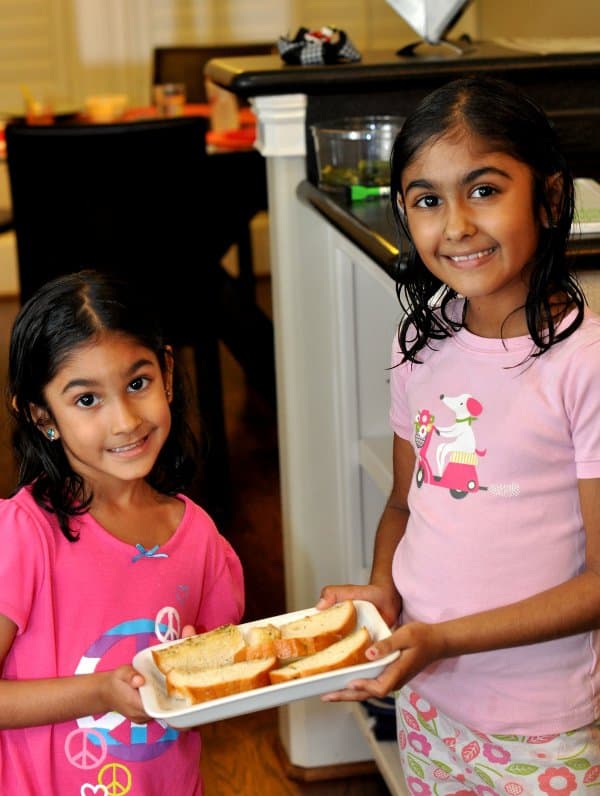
pixel 355 150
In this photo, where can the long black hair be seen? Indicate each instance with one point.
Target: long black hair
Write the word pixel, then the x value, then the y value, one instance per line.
pixel 67 312
pixel 514 124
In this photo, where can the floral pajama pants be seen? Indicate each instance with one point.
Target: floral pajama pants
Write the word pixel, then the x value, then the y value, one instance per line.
pixel 443 758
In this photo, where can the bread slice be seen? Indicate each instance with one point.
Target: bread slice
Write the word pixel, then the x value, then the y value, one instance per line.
pixel 347 652
pixel 201 685
pixel 218 647
pixel 315 632
pixel 260 641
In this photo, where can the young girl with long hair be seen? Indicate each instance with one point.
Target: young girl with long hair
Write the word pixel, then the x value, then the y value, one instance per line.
pixel 487 555
pixel 102 553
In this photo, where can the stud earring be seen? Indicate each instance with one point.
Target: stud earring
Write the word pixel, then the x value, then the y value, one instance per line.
pixel 51 434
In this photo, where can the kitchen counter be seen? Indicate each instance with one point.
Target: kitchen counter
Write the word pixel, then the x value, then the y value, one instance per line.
pixel 565 84
pixel 255 76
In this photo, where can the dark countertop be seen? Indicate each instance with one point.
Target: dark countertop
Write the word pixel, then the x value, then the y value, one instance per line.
pixel 371 227
pixel 564 84
pixel 381 70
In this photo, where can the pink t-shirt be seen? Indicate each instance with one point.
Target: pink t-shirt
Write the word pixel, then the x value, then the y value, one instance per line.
pixel 495 518
pixel 90 606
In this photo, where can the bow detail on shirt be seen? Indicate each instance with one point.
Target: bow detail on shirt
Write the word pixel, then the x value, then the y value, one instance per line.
pixel 151 553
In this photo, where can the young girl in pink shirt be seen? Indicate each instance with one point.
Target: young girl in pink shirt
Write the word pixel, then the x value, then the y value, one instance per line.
pixel 102 554
pixel 487 554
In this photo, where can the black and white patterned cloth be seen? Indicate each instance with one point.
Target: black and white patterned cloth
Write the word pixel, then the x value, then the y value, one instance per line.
pixel 323 46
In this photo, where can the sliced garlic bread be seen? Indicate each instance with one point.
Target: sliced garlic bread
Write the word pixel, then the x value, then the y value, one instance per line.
pixel 260 641
pixel 315 632
pixel 197 686
pixel 347 652
pixel 218 647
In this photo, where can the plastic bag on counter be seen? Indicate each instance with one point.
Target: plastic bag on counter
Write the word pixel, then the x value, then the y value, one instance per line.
pixel 324 46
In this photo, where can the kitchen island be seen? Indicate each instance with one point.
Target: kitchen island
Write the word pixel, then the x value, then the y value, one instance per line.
pixel 335 312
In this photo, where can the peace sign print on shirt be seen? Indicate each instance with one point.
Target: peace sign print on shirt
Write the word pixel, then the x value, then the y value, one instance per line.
pixel 82 752
pixel 124 739
pixel 168 624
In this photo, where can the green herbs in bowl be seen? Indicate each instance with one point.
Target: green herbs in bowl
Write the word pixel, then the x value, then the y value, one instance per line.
pixel 355 150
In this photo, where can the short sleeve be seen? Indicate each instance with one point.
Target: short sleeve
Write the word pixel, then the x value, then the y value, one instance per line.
pixel 582 400
pixel 399 413
pixel 223 600
pixel 23 563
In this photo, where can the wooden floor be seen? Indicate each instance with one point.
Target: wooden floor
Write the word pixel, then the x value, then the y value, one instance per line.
pixel 241 756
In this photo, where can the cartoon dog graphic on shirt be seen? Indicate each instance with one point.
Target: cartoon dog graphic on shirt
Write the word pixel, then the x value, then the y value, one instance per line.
pixel 458 457
pixel 466 410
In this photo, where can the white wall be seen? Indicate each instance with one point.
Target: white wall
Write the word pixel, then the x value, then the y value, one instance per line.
pixel 539 18
pixel 67 49
pixel 70 48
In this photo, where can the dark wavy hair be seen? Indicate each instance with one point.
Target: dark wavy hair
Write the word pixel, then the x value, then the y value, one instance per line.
pixel 66 312
pixel 515 125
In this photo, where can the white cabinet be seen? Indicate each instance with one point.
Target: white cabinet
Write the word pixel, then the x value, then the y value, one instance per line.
pixel 367 314
pixel 362 317
pixel 334 314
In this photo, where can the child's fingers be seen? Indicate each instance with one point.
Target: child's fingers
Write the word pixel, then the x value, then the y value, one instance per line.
pixel 359 690
pixel 346 695
pixel 381 648
pixel 331 595
pixel 137 681
pixel 337 594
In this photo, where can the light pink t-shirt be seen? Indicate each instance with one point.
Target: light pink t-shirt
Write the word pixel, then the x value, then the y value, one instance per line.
pixel 90 606
pixel 495 517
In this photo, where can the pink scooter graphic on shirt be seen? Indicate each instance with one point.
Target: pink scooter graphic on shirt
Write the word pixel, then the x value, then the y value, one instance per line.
pixel 459 474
